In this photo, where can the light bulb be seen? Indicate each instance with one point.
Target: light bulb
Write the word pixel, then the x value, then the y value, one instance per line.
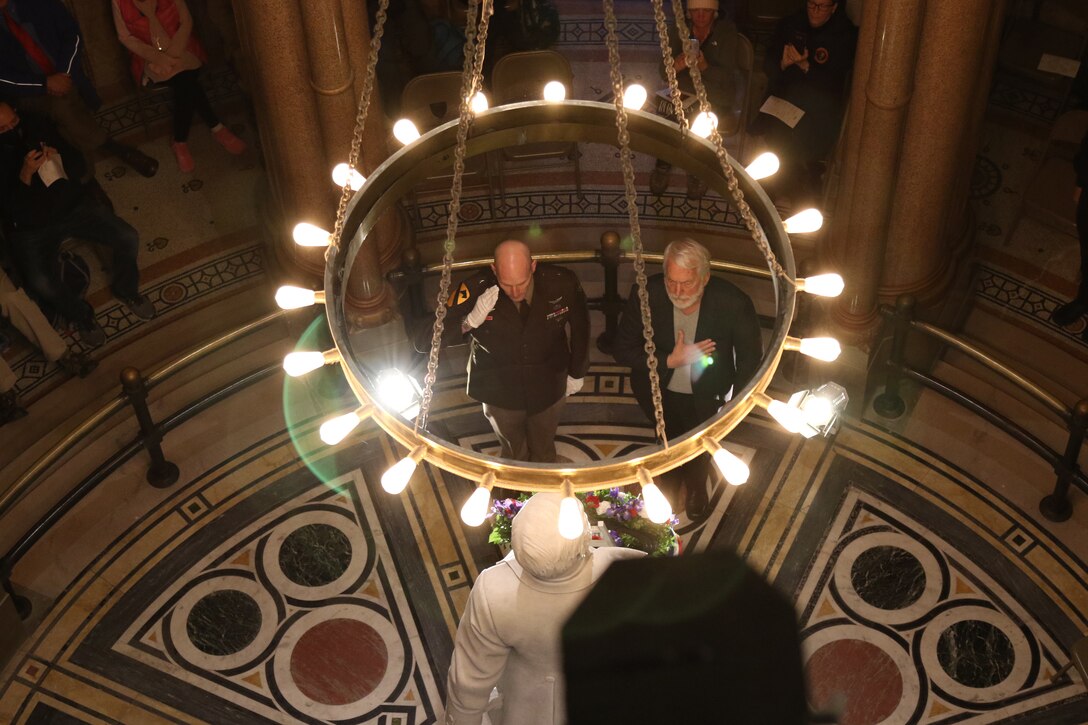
pixel 300 363
pixel 475 509
pixel 342 174
pixel 396 478
pixel 634 96
pixel 703 124
pixel 289 297
pixel 658 509
pixel 823 285
pixel 764 165
pixel 818 411
pixel 571 518
pixel 405 131
pixel 789 417
pixel 395 389
pixel 336 429
pixel 734 470
pixel 821 348
pixel 554 91
pixel 478 104
pixel 311 235
pixel 804 222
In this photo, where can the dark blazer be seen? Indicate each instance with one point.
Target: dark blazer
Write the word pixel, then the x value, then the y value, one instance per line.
pixel 36 205
pixel 56 32
pixel 726 315
pixel 524 366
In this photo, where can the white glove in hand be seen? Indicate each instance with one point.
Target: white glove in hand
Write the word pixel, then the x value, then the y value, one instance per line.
pixel 483 307
pixel 574 385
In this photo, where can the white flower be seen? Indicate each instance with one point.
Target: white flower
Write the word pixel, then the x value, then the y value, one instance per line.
pixel 602 508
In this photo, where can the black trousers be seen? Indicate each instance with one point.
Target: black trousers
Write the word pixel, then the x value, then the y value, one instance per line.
pixel 189 98
pixel 682 413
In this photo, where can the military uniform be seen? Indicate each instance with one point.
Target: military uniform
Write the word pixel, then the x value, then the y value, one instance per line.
pixel 519 365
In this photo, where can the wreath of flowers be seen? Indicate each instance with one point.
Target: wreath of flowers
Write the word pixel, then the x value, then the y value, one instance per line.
pixel 623 515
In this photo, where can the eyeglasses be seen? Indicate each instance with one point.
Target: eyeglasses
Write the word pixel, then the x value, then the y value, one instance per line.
pixel 821 6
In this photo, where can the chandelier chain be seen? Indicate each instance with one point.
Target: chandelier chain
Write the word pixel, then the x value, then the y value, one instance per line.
pixel 675 95
pixel 745 211
pixel 360 122
pixel 476 40
pixel 624 139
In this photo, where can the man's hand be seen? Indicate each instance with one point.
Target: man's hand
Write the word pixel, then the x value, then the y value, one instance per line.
pixel 574 385
pixel 31 163
pixel 58 84
pixel 686 353
pixel 791 56
pixel 681 62
pixel 482 309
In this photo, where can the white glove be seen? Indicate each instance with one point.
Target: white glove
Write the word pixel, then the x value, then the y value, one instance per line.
pixel 484 305
pixel 574 385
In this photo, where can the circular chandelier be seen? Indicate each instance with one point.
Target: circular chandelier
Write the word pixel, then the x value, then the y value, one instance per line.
pixel 697 147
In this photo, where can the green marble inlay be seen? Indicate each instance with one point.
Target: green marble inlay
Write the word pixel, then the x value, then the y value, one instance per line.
pixel 224 622
pixel 315 555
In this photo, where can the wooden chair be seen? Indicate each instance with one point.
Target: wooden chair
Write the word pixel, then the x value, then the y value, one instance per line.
pixel 1048 196
pixel 519 77
pixel 431 100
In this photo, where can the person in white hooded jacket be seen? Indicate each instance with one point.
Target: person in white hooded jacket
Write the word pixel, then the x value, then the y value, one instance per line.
pixel 508 639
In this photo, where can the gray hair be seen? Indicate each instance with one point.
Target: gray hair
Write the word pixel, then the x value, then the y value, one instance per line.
pixel 688 254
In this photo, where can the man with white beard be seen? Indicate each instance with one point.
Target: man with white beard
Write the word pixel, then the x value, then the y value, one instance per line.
pixel 708 347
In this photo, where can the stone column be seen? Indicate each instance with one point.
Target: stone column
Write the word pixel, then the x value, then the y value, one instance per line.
pixel 953 40
pixel 279 68
pixel 860 229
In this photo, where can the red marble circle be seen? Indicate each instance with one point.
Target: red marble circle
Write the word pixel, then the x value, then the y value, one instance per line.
pixel 173 293
pixel 339 661
pixel 858 673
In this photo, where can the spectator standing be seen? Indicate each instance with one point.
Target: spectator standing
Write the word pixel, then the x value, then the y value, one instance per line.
pixel 1073 310
pixel 25 316
pixel 45 203
pixel 707 334
pixel 808 62
pixel 716 40
pixel 159 34
pixel 522 364
pixel 41 71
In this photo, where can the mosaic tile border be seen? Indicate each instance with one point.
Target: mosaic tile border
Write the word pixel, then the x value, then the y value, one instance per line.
pixel 1019 297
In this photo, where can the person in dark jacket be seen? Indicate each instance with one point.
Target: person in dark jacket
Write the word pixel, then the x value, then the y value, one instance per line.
pixel 808 62
pixel 716 40
pixel 523 363
pixel 44 203
pixel 708 346
pixel 41 71
pixel 1073 310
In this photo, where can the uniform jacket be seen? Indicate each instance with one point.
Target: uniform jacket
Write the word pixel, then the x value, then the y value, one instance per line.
pixel 56 31
pixel 524 366
pixel 726 315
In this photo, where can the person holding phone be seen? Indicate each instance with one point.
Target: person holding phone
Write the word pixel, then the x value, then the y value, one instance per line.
pixel 715 39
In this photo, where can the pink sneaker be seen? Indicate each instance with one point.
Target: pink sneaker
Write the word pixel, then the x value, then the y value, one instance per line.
pixel 228 140
pixel 185 159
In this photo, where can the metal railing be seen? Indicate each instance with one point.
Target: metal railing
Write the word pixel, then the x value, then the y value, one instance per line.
pixel 161 473
pixel 890 404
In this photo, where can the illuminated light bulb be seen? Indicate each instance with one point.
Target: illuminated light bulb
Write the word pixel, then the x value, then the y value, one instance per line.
pixel 658 509
pixel 311 235
pixel 734 470
pixel 300 363
pixel 822 285
pixel 395 389
pixel 337 429
pixel 405 131
pixel 788 416
pixel 396 478
pixel 475 509
pixel 342 175
pixel 554 91
pixel 571 514
pixel 289 297
pixel 762 166
pixel 634 96
pixel 703 124
pixel 478 104
pixel 804 222
pixel 827 349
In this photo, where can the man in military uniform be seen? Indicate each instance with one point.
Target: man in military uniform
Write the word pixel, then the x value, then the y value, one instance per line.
pixel 523 363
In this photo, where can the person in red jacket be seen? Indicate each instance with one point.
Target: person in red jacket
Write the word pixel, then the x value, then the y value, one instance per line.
pixel 159 34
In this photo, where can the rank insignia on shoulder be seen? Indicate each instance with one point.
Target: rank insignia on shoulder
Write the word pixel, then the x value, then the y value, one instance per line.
pixel 460 295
